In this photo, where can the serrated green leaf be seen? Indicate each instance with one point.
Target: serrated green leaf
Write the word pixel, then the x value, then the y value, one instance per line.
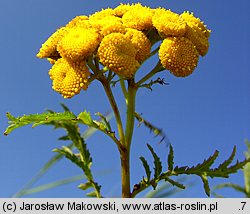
pixel 85 154
pixel 85 166
pixel 50 111
pixel 146 167
pixel 85 117
pixel 157 162
pixel 10 116
pixel 206 164
pixel 154 184
pixel 237 166
pixel 171 158
pixel 70 155
pixel 65 108
pixel 37 119
pixel 203 170
pixel 85 186
pixel 75 137
pixel 227 162
pixel 175 183
pixel 205 184
pixel 106 123
pixel 150 126
pixel 92 194
pixel 102 125
pixel 66 120
pixel 66 137
pixel 181 169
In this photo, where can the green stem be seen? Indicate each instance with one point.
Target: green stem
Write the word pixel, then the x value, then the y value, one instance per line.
pixel 130 111
pixel 124 90
pixel 155 70
pixel 123 149
pixel 125 154
pixel 113 104
pixel 125 172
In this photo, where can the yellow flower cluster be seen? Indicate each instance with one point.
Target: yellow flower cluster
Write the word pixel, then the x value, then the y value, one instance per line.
pixel 185 37
pixel 179 55
pixel 118 53
pixel 121 39
pixel 78 44
pixel 69 78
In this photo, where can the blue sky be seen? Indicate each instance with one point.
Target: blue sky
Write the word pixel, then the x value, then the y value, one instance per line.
pixel 209 110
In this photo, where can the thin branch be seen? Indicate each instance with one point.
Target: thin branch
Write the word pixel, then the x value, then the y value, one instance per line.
pixel 156 69
pixel 113 104
pixel 124 90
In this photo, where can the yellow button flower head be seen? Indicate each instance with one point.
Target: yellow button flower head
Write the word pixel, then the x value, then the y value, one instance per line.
pixel 114 27
pixel 69 78
pixel 121 9
pixel 79 21
pixel 140 42
pixel 48 48
pixel 178 55
pixel 117 52
pixel 138 17
pixel 107 25
pixel 197 32
pixel 168 23
pixel 101 14
pixel 78 44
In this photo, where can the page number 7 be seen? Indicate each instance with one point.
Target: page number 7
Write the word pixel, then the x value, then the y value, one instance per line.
pixel 243 203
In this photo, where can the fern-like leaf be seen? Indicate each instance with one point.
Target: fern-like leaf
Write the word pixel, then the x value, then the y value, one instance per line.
pixel 151 127
pixel 227 162
pixel 146 167
pixel 206 164
pixel 37 119
pixel 204 170
pixel 175 183
pixel 157 162
pixel 85 118
pixel 92 194
pixel 102 125
pixel 205 184
pixel 105 122
pixel 85 186
pixel 171 158
pixel 67 152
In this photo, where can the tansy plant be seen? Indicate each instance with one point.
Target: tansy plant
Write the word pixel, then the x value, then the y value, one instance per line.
pixel 110 46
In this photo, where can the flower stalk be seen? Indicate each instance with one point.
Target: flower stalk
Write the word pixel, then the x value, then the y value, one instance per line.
pixel 158 68
pixel 130 111
pixel 125 172
pixel 115 109
pixel 125 155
